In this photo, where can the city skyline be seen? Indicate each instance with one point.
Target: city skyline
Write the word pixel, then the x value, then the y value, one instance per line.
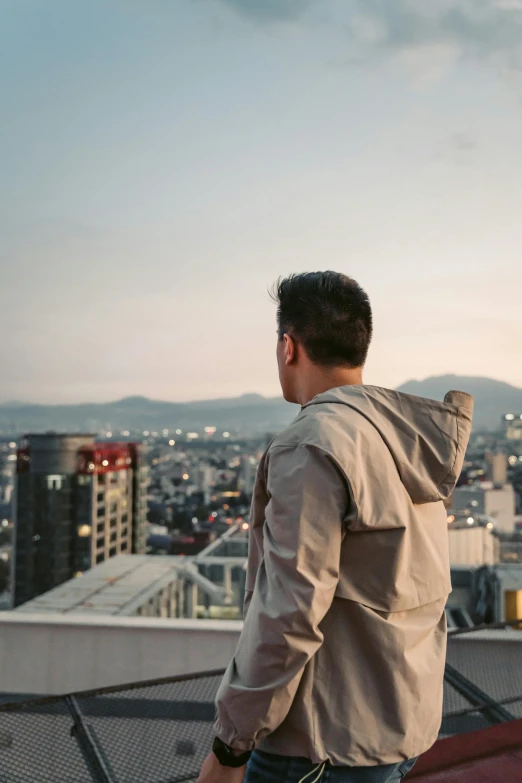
pixel 163 164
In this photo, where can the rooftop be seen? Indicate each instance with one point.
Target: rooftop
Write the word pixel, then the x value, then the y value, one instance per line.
pixel 159 731
pixel 112 587
pixel 123 584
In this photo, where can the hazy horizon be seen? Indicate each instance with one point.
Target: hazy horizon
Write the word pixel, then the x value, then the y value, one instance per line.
pixel 240 394
pixel 162 164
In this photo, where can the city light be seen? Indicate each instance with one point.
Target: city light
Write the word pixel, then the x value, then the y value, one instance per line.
pixel 509 416
pixel 5 522
pixel 172 442
pixel 245 526
pixel 470 520
pixel 108 434
pixel 165 433
pixel 185 477
pixel 178 432
pixel 105 463
pixel 490 526
pixel 451 519
pixel 226 434
pixel 210 430
pixel 12 445
pixel 125 433
pixel 146 433
pixel 192 435
pixel 84 531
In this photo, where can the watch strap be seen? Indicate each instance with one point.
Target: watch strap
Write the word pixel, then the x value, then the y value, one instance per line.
pixel 225 754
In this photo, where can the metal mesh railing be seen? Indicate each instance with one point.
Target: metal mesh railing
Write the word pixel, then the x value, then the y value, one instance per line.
pixel 160 731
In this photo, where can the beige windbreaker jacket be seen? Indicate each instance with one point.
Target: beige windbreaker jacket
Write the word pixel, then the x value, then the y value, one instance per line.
pixel 341 656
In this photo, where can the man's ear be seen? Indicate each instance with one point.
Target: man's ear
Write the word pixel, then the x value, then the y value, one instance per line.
pixel 290 350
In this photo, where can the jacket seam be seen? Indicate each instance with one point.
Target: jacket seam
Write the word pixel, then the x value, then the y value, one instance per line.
pixel 327 453
pixel 446 477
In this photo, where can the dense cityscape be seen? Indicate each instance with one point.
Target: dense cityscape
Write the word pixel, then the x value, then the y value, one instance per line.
pixel 194 487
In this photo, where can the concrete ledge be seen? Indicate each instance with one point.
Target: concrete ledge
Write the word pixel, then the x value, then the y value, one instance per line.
pixel 56 654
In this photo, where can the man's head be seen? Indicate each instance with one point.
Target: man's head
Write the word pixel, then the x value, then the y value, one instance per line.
pixel 324 322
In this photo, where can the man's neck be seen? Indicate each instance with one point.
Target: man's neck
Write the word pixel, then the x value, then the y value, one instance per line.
pixel 317 381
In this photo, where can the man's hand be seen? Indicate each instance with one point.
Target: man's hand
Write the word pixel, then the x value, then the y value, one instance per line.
pixel 213 772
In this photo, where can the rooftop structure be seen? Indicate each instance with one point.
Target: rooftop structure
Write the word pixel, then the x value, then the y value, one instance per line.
pixel 210 584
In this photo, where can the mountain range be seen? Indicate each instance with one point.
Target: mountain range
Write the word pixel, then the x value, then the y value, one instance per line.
pixel 250 413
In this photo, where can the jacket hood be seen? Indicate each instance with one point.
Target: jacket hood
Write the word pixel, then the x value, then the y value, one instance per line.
pixel 427 439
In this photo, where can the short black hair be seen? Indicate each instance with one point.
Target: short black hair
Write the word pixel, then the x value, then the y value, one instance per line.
pixel 328 313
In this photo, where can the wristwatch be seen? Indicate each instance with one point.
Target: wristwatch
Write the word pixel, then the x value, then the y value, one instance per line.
pixel 225 754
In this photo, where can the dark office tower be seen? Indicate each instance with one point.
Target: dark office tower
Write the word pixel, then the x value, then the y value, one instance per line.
pixel 77 504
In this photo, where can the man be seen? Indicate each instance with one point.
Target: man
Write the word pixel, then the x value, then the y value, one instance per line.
pixel 338 672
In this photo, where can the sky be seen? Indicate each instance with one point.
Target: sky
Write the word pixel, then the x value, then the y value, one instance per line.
pixel 162 162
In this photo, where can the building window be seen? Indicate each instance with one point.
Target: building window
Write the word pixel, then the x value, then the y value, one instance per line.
pixel 83 481
pixel 100 558
pixel 54 482
pixel 113 537
pixel 124 546
pixel 112 551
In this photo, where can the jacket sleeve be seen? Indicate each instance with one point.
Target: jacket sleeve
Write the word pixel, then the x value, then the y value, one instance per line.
pixel 294 589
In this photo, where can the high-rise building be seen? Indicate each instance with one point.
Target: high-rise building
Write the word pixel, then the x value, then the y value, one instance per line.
pixel 77 503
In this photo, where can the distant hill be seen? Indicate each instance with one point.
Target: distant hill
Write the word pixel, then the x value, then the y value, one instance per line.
pixel 250 414
pixel 492 398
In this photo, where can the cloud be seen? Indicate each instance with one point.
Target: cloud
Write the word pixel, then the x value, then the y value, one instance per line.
pixel 427 38
pixel 270 11
pixel 462 142
pixel 430 37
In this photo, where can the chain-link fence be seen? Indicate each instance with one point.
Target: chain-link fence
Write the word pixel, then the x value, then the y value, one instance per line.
pixel 160 731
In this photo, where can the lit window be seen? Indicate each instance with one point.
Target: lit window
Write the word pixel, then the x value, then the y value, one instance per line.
pixel 54 482
pixel 84 531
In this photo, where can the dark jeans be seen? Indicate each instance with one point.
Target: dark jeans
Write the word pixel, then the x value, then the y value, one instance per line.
pixel 268 768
